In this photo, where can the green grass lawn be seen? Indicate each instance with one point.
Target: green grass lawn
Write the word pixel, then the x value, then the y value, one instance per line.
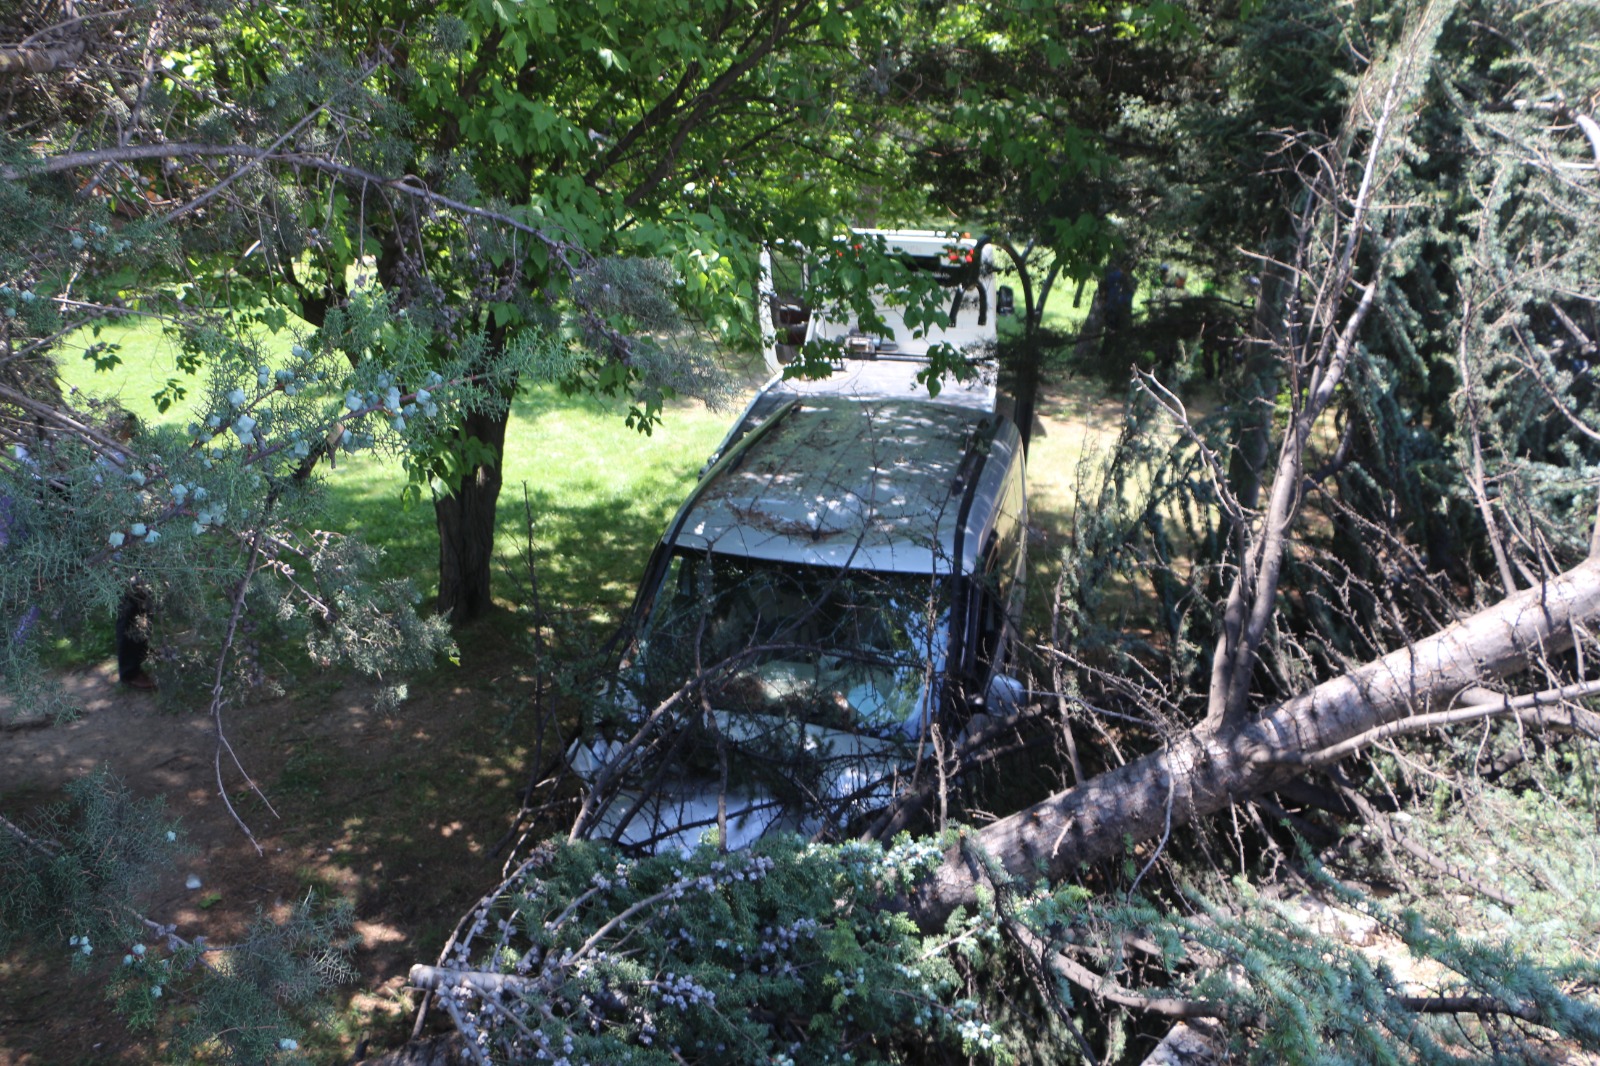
pixel 600 493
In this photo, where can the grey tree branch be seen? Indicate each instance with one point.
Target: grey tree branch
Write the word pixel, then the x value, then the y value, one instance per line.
pixel 24 60
pixel 1591 130
pixel 216 190
pixel 406 185
pixel 1470 713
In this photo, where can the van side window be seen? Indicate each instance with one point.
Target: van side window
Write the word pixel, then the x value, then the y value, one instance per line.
pixel 1000 590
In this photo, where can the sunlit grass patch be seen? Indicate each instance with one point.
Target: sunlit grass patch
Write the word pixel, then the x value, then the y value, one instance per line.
pixel 146 365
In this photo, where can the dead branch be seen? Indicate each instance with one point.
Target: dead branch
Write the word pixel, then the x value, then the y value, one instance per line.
pixel 1576 719
pixel 1591 130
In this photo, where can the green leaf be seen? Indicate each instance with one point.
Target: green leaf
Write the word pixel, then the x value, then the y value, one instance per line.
pixel 171 393
pixel 103 355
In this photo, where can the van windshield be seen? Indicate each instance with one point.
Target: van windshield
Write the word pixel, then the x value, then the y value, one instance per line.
pixel 847 649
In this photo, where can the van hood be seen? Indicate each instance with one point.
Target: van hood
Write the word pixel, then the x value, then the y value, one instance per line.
pixel 838 482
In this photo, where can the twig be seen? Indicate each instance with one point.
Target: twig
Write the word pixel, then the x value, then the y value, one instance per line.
pixel 1373 817
pixel 251 164
pixel 217 689
pixel 48 847
pixel 1166 834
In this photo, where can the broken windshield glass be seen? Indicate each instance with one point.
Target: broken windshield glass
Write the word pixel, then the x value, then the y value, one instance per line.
pixel 851 650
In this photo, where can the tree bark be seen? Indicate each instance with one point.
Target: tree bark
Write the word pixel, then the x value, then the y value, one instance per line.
pixel 1204 771
pixel 1029 355
pixel 19 59
pixel 466 519
pixel 1025 385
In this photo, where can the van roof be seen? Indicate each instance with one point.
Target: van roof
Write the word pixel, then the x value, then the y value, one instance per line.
pixel 884 485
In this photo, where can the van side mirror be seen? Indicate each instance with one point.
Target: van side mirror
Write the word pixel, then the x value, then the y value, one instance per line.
pixel 1005 301
pixel 1004 695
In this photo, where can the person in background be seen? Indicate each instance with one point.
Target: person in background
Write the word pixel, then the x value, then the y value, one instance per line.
pixel 133 636
pixel 133 610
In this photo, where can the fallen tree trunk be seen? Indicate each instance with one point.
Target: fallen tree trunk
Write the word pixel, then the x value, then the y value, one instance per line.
pixel 18 59
pixel 1204 771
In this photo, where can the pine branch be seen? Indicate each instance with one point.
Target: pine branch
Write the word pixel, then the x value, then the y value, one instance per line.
pixel 407 185
pixel 1099 986
pixel 1470 1005
pixel 216 189
pixel 46 847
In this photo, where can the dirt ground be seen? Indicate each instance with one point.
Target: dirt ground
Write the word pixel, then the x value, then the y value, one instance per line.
pixel 397 812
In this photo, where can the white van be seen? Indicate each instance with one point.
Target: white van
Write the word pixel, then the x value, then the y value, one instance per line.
pixel 846 577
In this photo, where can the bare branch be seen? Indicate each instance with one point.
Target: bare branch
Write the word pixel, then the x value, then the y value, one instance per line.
pixel 1216 768
pixel 1591 130
pixel 1584 720
pixel 216 189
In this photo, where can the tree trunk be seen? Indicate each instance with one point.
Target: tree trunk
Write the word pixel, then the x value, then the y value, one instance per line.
pixel 1202 772
pixel 1270 336
pixel 1030 351
pixel 466 519
pixel 1029 356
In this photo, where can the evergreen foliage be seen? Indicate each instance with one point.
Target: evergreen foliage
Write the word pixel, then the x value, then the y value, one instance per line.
pixel 793 952
pixel 783 952
pixel 77 875
pixel 254 1001
pixel 76 870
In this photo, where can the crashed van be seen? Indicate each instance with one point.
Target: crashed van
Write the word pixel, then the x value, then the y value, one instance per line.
pixel 830 608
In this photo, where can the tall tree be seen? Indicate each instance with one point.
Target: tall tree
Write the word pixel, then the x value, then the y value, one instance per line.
pixel 482 164
pixel 1326 642
pixel 623 130
pixel 1008 112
